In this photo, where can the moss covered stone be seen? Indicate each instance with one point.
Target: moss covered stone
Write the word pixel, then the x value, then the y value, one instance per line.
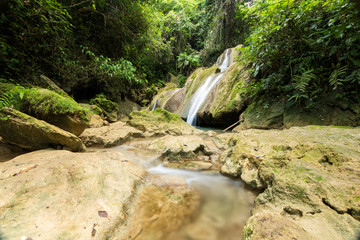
pixel 160 122
pixel 109 108
pixel 44 104
pixel 310 176
pixel 30 133
pixel 61 111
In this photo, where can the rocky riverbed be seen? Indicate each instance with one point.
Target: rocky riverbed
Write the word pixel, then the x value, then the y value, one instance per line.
pixel 306 181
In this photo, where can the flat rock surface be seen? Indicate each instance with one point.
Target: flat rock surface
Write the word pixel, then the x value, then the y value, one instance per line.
pixel 311 177
pixel 178 149
pixel 114 134
pixel 97 195
pixel 63 195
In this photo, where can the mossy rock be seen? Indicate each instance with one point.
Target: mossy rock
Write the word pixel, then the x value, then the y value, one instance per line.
pixel 56 109
pixel 109 108
pixel 310 176
pixel 30 133
pixel 160 122
pixel 263 115
pixel 44 104
pixel 277 113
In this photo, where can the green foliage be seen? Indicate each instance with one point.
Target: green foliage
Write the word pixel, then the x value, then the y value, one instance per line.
pixel 301 83
pixel 11 95
pixel 181 81
pixel 291 36
pixel 334 79
pixel 187 62
pixel 5 100
pixel 32 33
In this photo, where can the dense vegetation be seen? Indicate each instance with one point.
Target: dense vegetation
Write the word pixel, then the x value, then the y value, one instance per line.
pixel 128 48
pixel 108 46
pixel 303 49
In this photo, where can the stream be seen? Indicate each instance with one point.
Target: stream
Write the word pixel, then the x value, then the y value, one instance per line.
pixel 226 204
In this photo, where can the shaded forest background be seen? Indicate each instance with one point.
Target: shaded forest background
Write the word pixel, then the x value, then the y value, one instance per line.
pixel 130 48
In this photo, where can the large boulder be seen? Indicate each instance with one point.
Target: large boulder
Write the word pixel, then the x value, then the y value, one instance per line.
pixel 97 195
pixel 112 135
pixel 270 114
pixel 160 122
pixel 61 111
pixel 32 134
pixel 310 180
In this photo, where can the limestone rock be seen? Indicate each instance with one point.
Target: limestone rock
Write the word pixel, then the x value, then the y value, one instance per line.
pixel 32 134
pixel 112 135
pixel 61 111
pixel 311 181
pixel 160 122
pixel 89 196
pixel 96 121
pixel 176 148
pixel 46 82
pixel 276 114
pixel 109 108
pixel 80 195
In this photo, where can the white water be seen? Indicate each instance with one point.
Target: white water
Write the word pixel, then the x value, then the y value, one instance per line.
pixel 202 93
pixel 153 108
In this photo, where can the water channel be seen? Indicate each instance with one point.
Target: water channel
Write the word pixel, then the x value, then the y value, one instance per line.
pixel 226 203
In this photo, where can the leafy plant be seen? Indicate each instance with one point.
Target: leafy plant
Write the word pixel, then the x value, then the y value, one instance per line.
pixel 289 36
pixel 186 62
pixel 301 83
pixel 334 79
pixel 5 100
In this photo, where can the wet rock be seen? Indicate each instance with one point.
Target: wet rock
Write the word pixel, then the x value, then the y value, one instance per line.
pixel 112 135
pixel 89 195
pixel 305 197
pixel 159 123
pixel 32 134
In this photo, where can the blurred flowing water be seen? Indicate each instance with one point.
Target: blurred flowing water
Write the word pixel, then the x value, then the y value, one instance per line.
pixel 226 204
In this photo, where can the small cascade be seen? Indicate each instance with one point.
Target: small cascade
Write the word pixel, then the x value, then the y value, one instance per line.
pixel 202 93
pixel 154 107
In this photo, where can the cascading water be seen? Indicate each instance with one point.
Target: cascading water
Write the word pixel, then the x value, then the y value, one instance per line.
pixel 202 93
pixel 154 107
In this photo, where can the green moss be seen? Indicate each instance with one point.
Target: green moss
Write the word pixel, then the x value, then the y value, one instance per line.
pixel 247 232
pixel 44 102
pixel 156 115
pixel 318 178
pixel 105 104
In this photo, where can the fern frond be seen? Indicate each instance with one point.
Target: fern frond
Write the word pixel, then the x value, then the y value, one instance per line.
pixel 302 81
pixel 5 100
pixel 334 79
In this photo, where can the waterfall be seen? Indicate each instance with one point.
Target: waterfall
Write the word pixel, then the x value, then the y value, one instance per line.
pixel 202 93
pixel 153 108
